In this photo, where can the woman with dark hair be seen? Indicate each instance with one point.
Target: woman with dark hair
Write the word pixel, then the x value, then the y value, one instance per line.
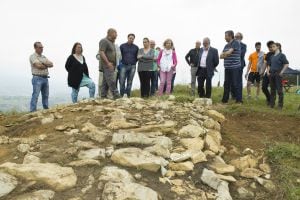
pixel 145 67
pixel 78 73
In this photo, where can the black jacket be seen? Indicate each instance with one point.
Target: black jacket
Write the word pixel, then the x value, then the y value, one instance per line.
pixel 75 71
pixel 192 57
pixel 212 61
pixel 243 53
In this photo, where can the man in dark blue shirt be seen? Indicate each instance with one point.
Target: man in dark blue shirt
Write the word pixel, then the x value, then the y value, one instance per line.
pixel 232 64
pixel 239 37
pixel 276 66
pixel 129 53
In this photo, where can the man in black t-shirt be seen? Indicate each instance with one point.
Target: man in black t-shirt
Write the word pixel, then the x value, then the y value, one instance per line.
pixel 276 67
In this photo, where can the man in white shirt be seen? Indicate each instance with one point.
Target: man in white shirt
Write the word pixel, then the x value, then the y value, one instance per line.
pixel 39 69
pixel 208 61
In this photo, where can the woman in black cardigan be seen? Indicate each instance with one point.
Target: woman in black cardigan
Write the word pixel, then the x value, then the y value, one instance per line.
pixel 78 73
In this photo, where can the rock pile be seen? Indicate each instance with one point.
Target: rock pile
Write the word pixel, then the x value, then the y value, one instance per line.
pixel 126 149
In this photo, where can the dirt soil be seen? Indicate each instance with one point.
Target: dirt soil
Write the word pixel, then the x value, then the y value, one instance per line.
pixel 257 131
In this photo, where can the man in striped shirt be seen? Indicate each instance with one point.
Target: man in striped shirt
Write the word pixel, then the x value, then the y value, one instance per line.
pixel 232 63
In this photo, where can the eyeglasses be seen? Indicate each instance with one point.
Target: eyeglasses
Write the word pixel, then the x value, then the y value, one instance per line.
pixel 39 47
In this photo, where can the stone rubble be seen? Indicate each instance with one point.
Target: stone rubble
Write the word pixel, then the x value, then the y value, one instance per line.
pixel 130 148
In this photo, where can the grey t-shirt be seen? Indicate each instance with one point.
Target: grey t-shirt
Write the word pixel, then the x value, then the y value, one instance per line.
pixel 108 47
pixel 146 61
pixel 277 62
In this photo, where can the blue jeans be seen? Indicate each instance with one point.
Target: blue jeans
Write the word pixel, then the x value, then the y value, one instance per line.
pixel 126 73
pixel 39 84
pixel 240 86
pixel 231 83
pixel 92 90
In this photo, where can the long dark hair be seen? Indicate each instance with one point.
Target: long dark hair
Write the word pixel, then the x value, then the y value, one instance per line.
pixel 74 47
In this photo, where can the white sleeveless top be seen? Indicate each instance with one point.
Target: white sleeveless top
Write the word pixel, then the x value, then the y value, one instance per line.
pixel 166 61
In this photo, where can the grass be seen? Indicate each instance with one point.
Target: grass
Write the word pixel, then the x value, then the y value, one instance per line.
pixel 285 158
pixel 290 108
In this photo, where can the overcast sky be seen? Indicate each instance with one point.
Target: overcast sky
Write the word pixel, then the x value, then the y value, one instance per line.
pixel 59 24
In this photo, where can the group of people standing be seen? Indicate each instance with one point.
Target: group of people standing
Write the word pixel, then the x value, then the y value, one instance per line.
pixel 118 65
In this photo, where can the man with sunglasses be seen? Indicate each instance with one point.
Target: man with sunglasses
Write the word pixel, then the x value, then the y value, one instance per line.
pixel 39 69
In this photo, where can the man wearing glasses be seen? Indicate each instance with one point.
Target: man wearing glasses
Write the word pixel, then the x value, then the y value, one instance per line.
pixel 39 69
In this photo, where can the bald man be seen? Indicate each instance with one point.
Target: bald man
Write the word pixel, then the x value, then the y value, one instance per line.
pixel 192 58
pixel 108 61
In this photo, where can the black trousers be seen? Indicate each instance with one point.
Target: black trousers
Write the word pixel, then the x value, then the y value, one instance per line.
pixel 276 86
pixel 264 87
pixel 203 77
pixel 145 80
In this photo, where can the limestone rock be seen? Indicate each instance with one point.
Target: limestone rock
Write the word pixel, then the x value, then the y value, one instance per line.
pixel 94 133
pixel 159 150
pixel 212 144
pixel 84 162
pixel 197 156
pixel 23 148
pixel 166 127
pixel 92 154
pixel 7 184
pixel 251 173
pixel 85 144
pixel 222 168
pixel 191 131
pixel 59 178
pixel 29 158
pixel 47 120
pixel 244 162
pixel 269 185
pixel 135 157
pixel 121 124
pixel 4 139
pixel 215 115
pixel 131 138
pixel 183 166
pixel 115 174
pixel 203 102
pixel 211 124
pixel 37 195
pixel 124 191
pixel 192 143
pixel 179 157
pixel 211 179
pixel 265 168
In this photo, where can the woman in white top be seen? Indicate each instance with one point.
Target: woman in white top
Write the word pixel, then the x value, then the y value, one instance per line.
pixel 166 61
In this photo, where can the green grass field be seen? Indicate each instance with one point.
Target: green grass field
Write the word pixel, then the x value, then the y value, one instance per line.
pixel 290 108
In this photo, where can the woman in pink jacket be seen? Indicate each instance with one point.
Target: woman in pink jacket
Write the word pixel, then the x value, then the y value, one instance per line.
pixel 166 61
